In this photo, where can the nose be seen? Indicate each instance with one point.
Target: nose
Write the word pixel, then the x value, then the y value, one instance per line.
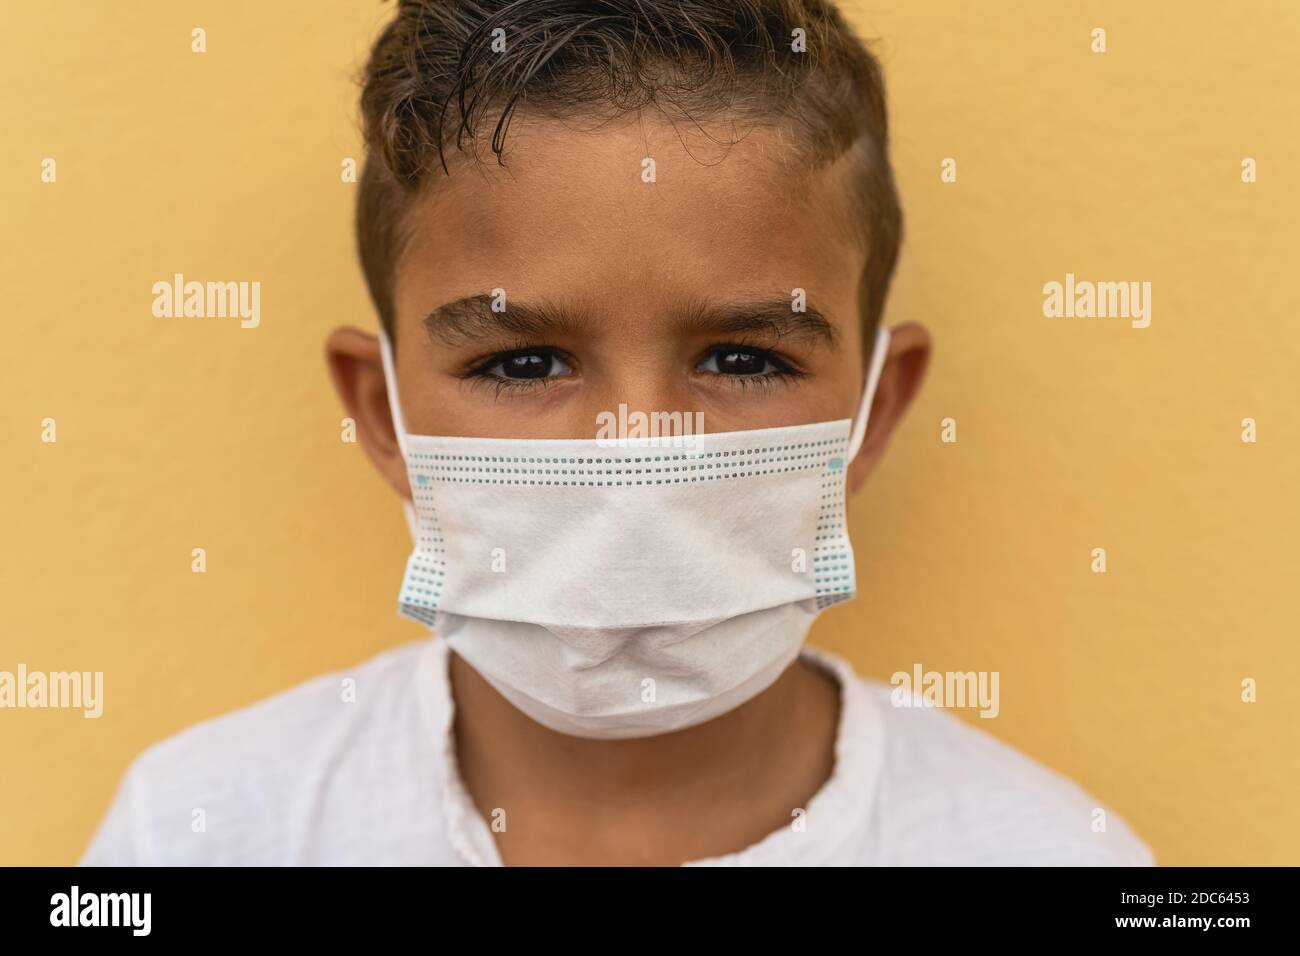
pixel 638 390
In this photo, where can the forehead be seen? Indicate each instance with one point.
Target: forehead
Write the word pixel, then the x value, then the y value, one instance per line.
pixel 634 215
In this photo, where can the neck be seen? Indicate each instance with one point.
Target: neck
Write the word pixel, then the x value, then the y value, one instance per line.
pixel 757 762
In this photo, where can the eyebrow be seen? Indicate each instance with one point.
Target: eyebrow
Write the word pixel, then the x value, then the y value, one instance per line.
pixel 471 318
pixel 775 318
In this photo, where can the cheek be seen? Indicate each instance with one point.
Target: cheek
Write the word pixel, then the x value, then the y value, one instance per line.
pixel 841 396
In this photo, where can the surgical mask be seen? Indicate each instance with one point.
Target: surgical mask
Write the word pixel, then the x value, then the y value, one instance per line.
pixel 616 591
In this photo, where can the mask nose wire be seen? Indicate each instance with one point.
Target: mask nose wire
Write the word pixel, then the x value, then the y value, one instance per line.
pixel 869 393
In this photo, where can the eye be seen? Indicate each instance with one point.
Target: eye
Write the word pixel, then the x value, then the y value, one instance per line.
pixel 743 362
pixel 523 365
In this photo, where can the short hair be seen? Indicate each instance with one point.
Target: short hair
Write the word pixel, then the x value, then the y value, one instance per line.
pixel 434 80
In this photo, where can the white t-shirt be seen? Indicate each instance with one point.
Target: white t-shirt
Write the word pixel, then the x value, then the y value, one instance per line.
pixel 307 778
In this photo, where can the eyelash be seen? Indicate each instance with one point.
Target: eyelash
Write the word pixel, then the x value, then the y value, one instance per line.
pixel 783 370
pixel 479 374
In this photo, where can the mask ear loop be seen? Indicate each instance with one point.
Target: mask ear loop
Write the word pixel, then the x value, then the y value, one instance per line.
pixel 869 395
pixel 390 384
pixel 399 424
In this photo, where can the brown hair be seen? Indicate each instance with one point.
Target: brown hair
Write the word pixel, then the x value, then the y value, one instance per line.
pixel 434 79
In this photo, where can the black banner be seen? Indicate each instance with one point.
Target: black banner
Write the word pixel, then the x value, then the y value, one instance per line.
pixel 548 906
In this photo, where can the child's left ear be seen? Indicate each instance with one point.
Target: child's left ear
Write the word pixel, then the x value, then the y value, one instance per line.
pixel 900 380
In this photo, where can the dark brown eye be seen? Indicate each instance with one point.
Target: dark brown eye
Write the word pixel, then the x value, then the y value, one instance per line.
pixel 736 361
pixel 527 366
pixel 523 366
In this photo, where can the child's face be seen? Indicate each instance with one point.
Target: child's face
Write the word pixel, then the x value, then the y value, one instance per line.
pixel 673 295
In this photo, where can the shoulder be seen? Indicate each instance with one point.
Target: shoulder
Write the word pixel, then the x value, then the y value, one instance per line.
pixel 951 793
pixel 225 790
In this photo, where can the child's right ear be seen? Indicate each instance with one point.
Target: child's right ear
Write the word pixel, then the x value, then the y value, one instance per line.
pixel 358 373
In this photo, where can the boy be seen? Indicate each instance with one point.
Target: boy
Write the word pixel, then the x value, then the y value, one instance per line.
pixel 571 209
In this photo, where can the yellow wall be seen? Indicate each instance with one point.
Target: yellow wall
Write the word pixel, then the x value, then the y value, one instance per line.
pixel 1072 434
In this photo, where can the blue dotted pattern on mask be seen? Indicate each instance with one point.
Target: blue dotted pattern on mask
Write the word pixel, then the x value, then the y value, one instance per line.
pixel 426 569
pixel 666 468
pixel 833 574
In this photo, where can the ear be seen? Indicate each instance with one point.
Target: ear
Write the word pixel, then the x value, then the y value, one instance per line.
pixel 900 380
pixel 358 373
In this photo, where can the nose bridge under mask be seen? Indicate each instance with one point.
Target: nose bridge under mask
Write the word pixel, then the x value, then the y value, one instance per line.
pixel 566 533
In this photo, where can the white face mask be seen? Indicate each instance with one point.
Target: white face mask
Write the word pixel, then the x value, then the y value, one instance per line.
pixel 618 592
